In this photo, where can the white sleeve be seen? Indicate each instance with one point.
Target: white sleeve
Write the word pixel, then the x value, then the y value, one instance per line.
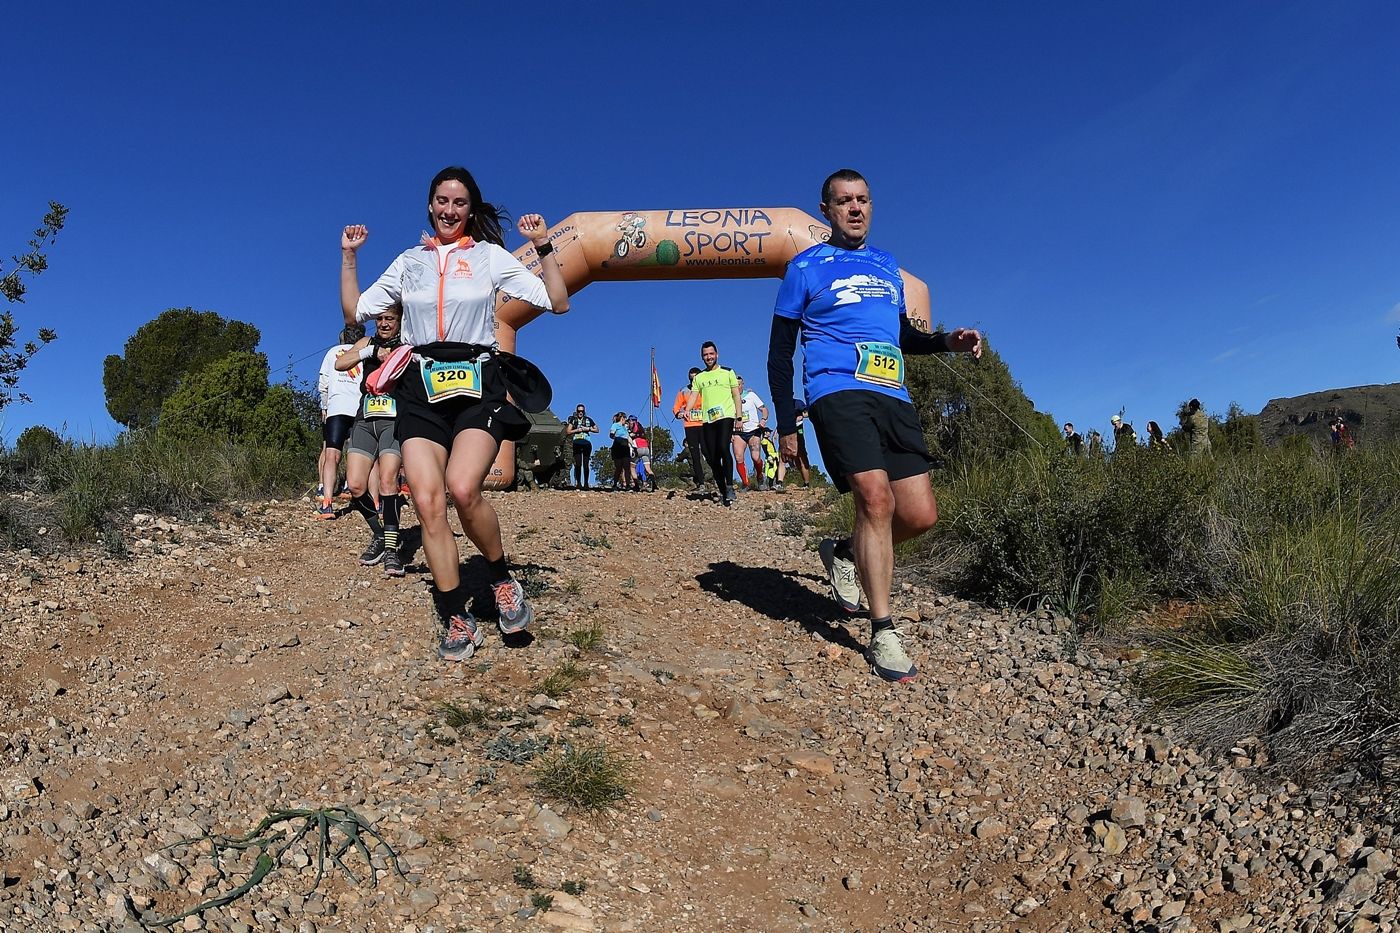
pixel 509 276
pixel 386 292
pixel 323 379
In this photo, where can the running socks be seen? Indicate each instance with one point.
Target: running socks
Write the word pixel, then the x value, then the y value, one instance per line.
pixel 364 502
pixel 450 602
pixel 500 572
pixel 743 474
pixel 389 508
pixel 879 625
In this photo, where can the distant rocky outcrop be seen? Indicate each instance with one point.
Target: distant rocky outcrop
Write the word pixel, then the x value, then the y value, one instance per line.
pixel 1372 413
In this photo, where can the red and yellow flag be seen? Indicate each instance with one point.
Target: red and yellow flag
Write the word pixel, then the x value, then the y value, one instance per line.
pixel 655 383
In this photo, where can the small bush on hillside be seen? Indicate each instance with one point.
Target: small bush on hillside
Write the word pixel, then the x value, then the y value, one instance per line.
pixel 78 487
pixel 591 778
pixel 36 444
pixel 1290 556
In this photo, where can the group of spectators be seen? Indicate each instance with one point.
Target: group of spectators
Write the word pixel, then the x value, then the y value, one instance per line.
pixel 628 444
pixel 754 446
pixel 1195 431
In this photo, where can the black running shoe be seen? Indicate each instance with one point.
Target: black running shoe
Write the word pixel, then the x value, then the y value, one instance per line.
pixel 374 553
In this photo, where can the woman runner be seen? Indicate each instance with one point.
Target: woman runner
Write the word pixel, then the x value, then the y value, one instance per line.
pixel 372 441
pixel 452 406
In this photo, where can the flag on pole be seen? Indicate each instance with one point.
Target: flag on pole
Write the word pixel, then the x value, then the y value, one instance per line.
pixel 655 383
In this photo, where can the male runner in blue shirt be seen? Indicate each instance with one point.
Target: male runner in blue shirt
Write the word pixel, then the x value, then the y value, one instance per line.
pixel 847 301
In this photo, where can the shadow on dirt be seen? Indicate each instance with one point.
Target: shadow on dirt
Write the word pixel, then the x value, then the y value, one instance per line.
pixel 779 596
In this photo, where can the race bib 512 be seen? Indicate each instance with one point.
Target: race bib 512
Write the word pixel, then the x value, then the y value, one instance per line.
pixel 880 363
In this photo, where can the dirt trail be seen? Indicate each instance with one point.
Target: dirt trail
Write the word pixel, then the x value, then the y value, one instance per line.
pixel 235 666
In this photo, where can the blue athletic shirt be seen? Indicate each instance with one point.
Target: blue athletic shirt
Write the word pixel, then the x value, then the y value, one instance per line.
pixel 849 302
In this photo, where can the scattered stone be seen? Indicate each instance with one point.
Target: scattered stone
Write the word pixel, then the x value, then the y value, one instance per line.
pixel 1110 837
pixel 990 828
pixel 811 762
pixel 1128 812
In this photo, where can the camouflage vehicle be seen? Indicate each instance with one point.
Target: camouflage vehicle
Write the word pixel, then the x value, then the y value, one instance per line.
pixel 541 457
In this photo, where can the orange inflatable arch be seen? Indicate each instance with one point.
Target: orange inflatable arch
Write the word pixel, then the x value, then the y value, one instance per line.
pixel 715 243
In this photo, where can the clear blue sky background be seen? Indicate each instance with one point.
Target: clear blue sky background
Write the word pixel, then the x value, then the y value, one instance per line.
pixel 1138 202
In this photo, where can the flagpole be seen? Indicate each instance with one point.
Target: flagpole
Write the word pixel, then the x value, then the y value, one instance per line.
pixel 651 416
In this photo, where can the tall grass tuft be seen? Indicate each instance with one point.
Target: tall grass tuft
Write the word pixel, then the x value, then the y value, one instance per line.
pixel 77 487
pixel 1290 557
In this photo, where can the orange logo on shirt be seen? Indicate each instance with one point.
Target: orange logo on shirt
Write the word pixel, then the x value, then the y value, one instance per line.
pixel 463 270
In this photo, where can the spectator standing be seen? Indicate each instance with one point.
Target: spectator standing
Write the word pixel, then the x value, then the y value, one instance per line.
pixel 1155 440
pixel 1123 434
pixel 1074 442
pixel 578 427
pixel 621 452
pixel 1196 426
pixel 641 455
pixel 1341 435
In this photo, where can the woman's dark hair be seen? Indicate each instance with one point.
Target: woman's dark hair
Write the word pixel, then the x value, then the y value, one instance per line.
pixel 351 333
pixel 484 221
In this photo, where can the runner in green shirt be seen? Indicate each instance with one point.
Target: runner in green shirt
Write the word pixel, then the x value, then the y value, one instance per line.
pixel 719 403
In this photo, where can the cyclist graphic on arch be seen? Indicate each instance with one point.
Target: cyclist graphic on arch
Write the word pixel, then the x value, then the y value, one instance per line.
pixel 633 236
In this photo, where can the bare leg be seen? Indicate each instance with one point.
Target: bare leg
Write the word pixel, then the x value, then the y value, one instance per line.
pixel 886 512
pixel 472 454
pixel 357 470
pixel 330 465
pixel 756 457
pixel 425 465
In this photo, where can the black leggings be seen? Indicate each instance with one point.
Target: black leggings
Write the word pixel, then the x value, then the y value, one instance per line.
pixel 715 441
pixel 697 457
pixel 582 451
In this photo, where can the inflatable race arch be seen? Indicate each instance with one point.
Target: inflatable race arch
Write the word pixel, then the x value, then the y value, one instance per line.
pixel 718 243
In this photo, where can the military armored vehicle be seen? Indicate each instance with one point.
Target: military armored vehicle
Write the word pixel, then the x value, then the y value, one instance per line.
pixel 542 456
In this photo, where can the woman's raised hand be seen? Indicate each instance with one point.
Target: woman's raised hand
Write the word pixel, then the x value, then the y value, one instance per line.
pixel 533 228
pixel 353 237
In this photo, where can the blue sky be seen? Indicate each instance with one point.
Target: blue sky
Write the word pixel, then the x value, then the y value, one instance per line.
pixel 1138 202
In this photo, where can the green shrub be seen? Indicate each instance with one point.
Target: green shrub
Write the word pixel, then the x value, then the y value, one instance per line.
pixel 36 444
pixel 1290 558
pixel 591 778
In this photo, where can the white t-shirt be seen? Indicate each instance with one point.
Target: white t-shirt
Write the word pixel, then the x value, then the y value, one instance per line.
pixel 463 310
pixel 751 404
pixel 340 391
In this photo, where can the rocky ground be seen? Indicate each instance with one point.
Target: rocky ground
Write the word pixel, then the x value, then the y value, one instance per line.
pixel 233 667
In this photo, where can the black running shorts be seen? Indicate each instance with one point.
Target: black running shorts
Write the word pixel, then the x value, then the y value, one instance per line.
pixel 858 430
pixel 335 429
pixel 441 422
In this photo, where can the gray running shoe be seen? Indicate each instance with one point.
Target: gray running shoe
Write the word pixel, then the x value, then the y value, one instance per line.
pixel 845 587
pixel 779 487
pixel 393 563
pixel 374 553
pixel 462 638
pixel 886 655
pixel 515 610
